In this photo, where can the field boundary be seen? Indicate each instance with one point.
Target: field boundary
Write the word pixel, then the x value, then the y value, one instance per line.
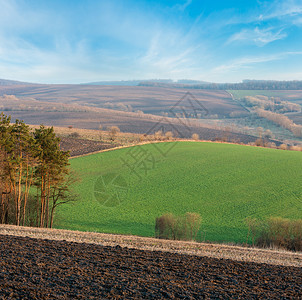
pixel 172 141
pixel 221 251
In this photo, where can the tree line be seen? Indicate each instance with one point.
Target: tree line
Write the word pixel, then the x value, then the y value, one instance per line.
pixel 34 174
pixel 272 104
pixel 245 85
pixel 281 120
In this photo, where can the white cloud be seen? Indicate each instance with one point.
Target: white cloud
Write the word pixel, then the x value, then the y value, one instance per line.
pixel 260 37
pixel 183 6
pixel 116 41
pixel 285 8
pixel 246 62
pixel 170 54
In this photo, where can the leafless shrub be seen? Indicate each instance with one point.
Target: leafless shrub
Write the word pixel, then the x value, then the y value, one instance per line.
pixel 277 232
pixel 173 227
pixel 74 135
pixel 259 142
pixel 158 135
pixel 283 147
pixel 295 148
pixel 113 131
pixel 272 145
pixel 100 129
pixel 195 136
pixel 193 222
pixel 165 227
pixel 253 227
pixel 142 137
pixel 268 134
pixel 169 135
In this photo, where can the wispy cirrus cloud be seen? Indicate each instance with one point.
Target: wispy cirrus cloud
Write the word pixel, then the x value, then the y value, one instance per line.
pixel 257 36
pixel 283 9
pixel 183 6
pixel 246 62
pixel 115 40
pixel 169 54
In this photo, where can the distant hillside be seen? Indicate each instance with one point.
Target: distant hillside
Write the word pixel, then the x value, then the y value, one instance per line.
pixel 13 82
pixel 128 82
pixel 149 100
pixel 244 85
pixel 152 81
pixel 121 83
pixel 187 84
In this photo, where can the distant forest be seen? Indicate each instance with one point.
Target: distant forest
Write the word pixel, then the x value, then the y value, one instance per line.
pixel 244 85
pixel 191 84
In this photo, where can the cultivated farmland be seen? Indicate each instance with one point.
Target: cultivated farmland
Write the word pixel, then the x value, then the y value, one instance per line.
pixel 45 269
pixel 286 95
pixel 224 183
pixel 150 100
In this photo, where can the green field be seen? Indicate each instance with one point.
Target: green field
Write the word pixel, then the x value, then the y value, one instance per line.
pixel 285 95
pixel 242 93
pixel 223 183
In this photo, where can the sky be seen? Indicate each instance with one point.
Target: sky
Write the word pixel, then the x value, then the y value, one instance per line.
pixel 78 41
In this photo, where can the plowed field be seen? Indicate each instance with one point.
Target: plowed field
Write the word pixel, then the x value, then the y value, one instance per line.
pixel 44 269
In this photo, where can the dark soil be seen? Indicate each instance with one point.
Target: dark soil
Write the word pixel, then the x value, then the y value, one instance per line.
pixel 78 146
pixel 44 269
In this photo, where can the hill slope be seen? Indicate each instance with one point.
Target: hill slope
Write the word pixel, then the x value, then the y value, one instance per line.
pixel 224 183
pixel 7 82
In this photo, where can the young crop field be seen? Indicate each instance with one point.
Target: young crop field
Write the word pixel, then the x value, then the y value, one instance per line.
pixel 123 191
pixel 286 95
pixel 242 93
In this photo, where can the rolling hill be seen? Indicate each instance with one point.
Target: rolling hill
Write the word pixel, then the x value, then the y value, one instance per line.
pixel 224 183
pixel 150 100
pixel 6 82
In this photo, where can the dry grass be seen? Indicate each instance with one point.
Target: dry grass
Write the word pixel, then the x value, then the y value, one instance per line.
pixel 123 138
pixel 237 253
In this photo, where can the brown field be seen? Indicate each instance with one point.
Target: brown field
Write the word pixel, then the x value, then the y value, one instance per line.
pixel 134 123
pixel 293 96
pixel 80 106
pixel 296 117
pixel 78 146
pixel 32 268
pixel 81 114
pixel 246 254
pixel 151 100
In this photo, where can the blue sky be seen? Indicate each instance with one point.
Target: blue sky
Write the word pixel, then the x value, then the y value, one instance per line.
pixel 75 41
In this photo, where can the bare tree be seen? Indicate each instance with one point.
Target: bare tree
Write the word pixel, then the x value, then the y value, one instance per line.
pixel 169 135
pixel 267 134
pixel 195 136
pixel 100 129
pixel 283 147
pixel 260 132
pixel 185 227
pixel 158 135
pixel 113 131
pixel 193 222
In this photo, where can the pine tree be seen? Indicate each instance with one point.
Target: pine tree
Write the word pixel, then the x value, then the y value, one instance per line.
pixel 51 170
